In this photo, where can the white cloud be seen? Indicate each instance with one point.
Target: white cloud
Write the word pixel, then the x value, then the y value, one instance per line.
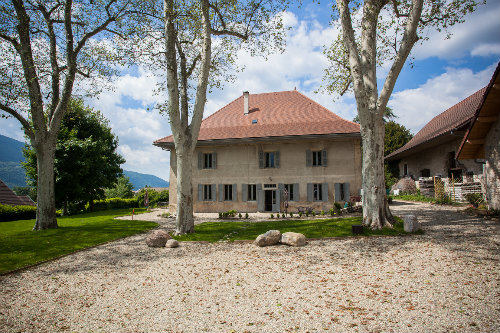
pixel 480 30
pixel 416 107
pixel 485 50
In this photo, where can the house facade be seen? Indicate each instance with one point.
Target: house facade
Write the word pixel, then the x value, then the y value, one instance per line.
pixel 482 140
pixel 271 152
pixel 433 150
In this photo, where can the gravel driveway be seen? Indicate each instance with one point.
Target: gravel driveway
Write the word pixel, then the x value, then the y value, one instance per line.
pixel 447 280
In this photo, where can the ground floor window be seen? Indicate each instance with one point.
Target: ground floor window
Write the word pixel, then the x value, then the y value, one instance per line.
pixel 289 192
pixel 317 192
pixel 228 192
pixel 252 192
pixel 207 193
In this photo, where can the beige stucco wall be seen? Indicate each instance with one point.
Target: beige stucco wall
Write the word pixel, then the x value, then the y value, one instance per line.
pixel 436 159
pixel 492 167
pixel 239 164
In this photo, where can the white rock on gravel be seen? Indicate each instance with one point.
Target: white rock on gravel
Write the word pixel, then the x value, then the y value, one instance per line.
pixel 269 238
pixel 411 223
pixel 293 239
pixel 172 243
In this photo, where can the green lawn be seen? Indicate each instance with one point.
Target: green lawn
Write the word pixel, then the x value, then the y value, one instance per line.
pixel 20 246
pixel 245 230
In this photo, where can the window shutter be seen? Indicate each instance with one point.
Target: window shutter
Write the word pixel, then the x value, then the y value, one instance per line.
pixel 277 159
pixel 324 156
pixel 296 192
pixel 260 198
pixel 214 160
pixel 261 160
pixel 309 192
pixel 214 192
pixel 221 192
pixel 200 192
pixel 347 192
pixel 337 192
pixel 324 189
pixel 244 195
pixel 235 193
pixel 278 200
pixel 308 157
pixel 200 160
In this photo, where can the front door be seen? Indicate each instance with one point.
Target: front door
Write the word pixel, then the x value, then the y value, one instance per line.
pixel 269 200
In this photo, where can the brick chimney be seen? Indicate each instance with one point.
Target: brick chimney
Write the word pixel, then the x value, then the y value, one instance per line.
pixel 245 102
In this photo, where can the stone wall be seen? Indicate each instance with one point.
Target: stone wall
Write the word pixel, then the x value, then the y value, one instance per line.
pixel 239 164
pixel 492 167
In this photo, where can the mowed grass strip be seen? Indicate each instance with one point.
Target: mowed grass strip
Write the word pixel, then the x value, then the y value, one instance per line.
pixel 20 246
pixel 317 228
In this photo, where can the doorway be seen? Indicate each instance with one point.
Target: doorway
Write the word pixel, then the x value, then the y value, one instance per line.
pixel 269 200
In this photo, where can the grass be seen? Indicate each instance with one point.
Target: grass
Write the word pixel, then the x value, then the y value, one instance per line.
pixel 20 246
pixel 231 231
pixel 422 198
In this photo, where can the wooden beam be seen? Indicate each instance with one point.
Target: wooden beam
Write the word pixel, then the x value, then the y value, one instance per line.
pixel 476 141
pixel 490 119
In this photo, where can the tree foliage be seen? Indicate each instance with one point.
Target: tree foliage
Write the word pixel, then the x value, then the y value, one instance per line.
pixel 122 189
pixel 86 161
pixel 396 136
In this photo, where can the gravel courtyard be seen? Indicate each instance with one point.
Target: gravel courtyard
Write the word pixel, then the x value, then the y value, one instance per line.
pixel 447 280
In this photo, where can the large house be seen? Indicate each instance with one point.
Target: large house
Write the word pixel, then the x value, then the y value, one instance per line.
pixel 433 150
pixel 262 152
pixel 482 140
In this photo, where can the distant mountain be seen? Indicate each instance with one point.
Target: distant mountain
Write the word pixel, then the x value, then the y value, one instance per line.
pixel 13 175
pixel 11 150
pixel 140 180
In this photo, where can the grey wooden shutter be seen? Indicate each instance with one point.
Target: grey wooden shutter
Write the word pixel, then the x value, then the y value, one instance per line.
pixel 324 157
pixel 324 189
pixel 296 192
pixel 244 195
pixel 214 160
pixel 308 157
pixel 260 198
pixel 235 192
pixel 278 200
pixel 337 192
pixel 200 160
pixel 261 159
pixel 214 192
pixel 221 192
pixel 200 192
pixel 309 192
pixel 347 193
pixel 277 159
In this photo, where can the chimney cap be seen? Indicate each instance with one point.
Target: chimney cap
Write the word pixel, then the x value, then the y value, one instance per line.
pixel 246 93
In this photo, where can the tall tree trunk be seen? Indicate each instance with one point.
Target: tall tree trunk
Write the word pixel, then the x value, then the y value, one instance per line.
pixel 45 199
pixel 376 213
pixel 184 220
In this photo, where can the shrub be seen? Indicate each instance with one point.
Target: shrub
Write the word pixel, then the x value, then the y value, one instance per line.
pixel 239 215
pixel 154 197
pixel 313 213
pixel 474 198
pixel 220 215
pixel 246 215
pixel 300 214
pixel 323 213
pixel 13 213
pixel 272 216
pixel 283 215
pixel 291 214
pixel 113 203
pixel 337 206
pixel 331 212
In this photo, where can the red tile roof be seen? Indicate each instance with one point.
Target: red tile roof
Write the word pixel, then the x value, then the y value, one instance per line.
pixel 455 117
pixel 286 113
pixel 8 197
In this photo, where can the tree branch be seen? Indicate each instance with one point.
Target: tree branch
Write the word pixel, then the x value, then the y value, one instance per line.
pixel 26 125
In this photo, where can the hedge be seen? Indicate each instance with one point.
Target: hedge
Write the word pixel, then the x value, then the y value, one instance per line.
pixel 113 203
pixel 12 213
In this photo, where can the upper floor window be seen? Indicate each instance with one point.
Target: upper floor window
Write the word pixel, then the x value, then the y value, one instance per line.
pixel 269 159
pixel 207 160
pixel 316 158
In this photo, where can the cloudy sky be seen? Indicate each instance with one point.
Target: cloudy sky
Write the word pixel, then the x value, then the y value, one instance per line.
pixel 444 72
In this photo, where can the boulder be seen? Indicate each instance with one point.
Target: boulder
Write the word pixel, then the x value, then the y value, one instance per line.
pixel 269 238
pixel 411 223
pixel 293 239
pixel 405 185
pixel 157 238
pixel 172 243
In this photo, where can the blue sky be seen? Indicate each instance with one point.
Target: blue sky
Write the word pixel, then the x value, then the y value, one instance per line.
pixel 444 73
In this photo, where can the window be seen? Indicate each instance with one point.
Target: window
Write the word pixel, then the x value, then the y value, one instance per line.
pixel 316 158
pixel 207 160
pixel 269 159
pixel 207 193
pixel 405 169
pixel 317 192
pixel 228 192
pixel 342 192
pixel 252 192
pixel 289 191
